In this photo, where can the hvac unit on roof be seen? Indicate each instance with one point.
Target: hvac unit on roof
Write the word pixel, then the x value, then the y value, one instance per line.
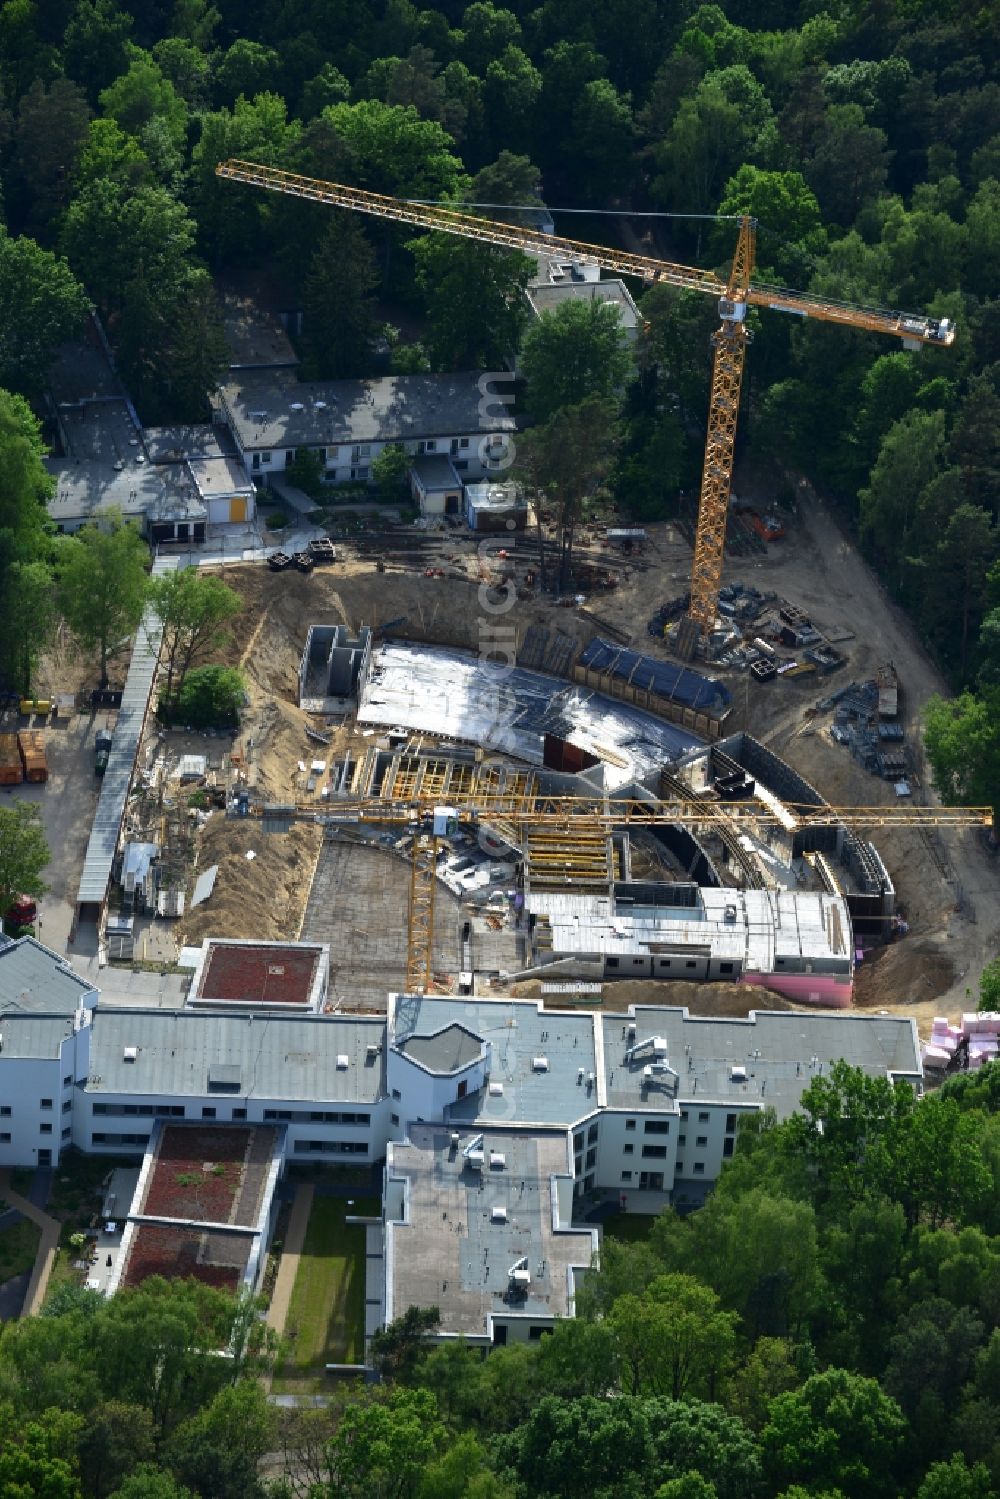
pixel 539 1064
pixel 498 1160
pixel 343 1061
pixel 475 1159
pixel 130 1053
pixel 738 1074
pixel 498 1214
pixel 372 1050
pixel 496 1090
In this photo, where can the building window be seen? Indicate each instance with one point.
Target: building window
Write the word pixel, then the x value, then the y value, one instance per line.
pixel 265 457
pixel 730 1124
pixel 628 1150
pixel 727 1147
pixel 703 1117
pixel 701 1140
pixel 45 1103
pixel 535 1334
pixel 66 1134
pixel 654 1152
pixel 578 1141
pixel 592 1135
pixel 611 962
pixel 360 472
pixel 578 1165
pixel 277 1114
pixel 239 1113
pixel 463 1088
pixel 430 445
pixel 5 1137
pixel 45 1158
pixel 591 1158
pixel 394 1118
pixel 588 1183
pixel 626 1176
pixel 67 1106
pixel 396 1093
pixel 463 442
pixel 68 1081
pixel 726 967
pixel 681 1140
pixel 630 1124
pixel 657 1127
pixel 208 1113
pixel 290 456
pixel 45 1129
pixel 5 1110
pixel 699 1168
pixel 684 1114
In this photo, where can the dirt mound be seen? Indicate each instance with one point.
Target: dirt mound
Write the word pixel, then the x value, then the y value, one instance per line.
pixel 910 972
pixel 711 1000
pixel 282 867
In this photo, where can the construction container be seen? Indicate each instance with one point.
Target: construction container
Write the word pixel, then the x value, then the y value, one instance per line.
pixel 11 773
pixel 40 705
pixel 887 683
pixel 31 745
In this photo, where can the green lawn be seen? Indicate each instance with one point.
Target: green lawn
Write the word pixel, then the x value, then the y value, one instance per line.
pixel 18 1246
pixel 629 1226
pixel 326 1318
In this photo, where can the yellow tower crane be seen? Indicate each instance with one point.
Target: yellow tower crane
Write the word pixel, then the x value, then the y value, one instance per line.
pixel 735 296
pixel 513 813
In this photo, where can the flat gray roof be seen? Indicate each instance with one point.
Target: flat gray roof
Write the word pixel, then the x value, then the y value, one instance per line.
pixel 38 1037
pixel 453 1253
pixel 174 444
pixel 436 471
pixel 781 1052
pixel 279 1057
pixel 518 1032
pixel 274 410
pixel 105 466
pixel 256 338
pixel 219 476
pixel 107 823
pixel 32 978
pixel 448 1050
pixel 546 297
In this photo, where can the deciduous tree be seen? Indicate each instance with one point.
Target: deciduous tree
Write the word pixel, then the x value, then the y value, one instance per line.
pixel 474 295
pixel 103 585
pixel 24 853
pixel 572 354
pixel 339 325
pixel 41 305
pixel 195 610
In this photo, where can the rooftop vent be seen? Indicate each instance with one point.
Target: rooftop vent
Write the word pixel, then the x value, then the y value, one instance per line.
pixel 539 1064
pixel 475 1159
pixel 455 1138
pixel 343 1061
pixel 296 406
pixel 498 1160
pixel 275 969
pixel 738 1075
pixel 581 1073
pixel 498 1215
pixel 319 405
pixel 130 1053
pixel 372 1050
pixel 496 1090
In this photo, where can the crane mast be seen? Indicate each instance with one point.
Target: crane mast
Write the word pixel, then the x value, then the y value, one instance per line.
pixel 730 341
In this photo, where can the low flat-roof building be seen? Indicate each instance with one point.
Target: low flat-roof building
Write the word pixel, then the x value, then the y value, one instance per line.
pixel 286 976
pixel 553 293
pixel 225 491
pixel 347 423
pixel 435 485
pixel 793 942
pixel 495 507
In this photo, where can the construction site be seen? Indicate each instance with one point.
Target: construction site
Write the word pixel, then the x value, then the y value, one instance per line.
pixel 369 705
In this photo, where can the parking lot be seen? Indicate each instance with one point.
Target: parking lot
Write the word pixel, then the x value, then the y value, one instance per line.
pixel 67 801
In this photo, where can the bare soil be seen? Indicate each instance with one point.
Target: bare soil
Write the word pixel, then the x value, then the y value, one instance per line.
pixel 712 1000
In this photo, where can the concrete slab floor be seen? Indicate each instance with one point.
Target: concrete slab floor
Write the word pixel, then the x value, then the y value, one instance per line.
pixel 358 904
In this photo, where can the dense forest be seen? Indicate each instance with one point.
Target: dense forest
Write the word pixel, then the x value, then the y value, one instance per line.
pixel 862 134
pixel 824 1328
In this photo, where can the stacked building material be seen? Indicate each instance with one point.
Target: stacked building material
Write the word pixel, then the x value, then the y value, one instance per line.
pixel 982 1033
pixel 946 1039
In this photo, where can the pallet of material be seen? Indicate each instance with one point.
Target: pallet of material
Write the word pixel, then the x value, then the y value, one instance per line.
pixel 11 772
pixel 31 745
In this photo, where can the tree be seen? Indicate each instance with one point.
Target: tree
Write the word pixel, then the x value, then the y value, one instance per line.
pixel 218 1450
pixel 782 202
pixel 572 354
pixel 246 68
pixel 954 588
pixel 989 987
pixel 37 1457
pixel 24 853
pixel 382 1445
pixel 839 1431
pixel 29 616
pixel 389 470
pixel 850 165
pixel 956 1480
pixel 509 179
pixel 50 134
pixel 114 238
pixel 673 1340
pixel 339 325
pixel 95 51
pixel 194 610
pixel 396 1349
pixel 211 697
pixel 602 133
pixel 392 150
pixel 474 295
pixel 571 1447
pixel 150 1482
pixel 103 585
pixel 908 459
pixel 119 1435
pixel 691 1436
pixel 41 305
pixel 962 741
pixel 564 461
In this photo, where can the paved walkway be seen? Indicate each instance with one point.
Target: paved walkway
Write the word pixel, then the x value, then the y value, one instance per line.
pixel 277 1312
pixel 49 1243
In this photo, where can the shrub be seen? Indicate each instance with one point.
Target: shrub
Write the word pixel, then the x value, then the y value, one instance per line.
pixel 211 697
pixel 276 521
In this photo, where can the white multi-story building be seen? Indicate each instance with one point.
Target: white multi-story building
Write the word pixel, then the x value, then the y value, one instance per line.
pixel 347 423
